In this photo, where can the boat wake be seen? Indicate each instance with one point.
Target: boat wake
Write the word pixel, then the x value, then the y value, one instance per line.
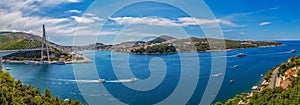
pixel 99 80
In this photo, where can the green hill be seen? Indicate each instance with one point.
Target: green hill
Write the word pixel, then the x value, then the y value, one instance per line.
pixel 161 39
pixel 12 41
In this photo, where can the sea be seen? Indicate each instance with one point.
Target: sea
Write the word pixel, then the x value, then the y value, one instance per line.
pixel 161 79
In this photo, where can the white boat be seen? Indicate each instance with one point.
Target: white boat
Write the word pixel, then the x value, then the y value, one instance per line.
pixel 217 75
pixel 30 62
pixel 235 66
pixel 133 79
pixel 241 55
pixel 7 68
pixel 43 63
pixel 293 51
pixel 101 80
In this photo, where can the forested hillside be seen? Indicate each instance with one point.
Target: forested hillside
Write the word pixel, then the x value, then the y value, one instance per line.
pixel 15 93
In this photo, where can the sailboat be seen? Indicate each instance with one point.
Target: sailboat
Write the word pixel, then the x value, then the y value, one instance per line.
pixel 47 49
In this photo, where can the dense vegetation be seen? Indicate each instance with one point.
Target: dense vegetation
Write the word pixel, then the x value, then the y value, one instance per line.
pixel 14 93
pixel 12 41
pixel 155 49
pixel 275 96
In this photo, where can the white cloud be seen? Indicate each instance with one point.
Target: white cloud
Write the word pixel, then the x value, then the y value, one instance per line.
pixel 74 1
pixel 74 11
pixel 16 15
pixel 89 18
pixel 264 23
pixel 145 20
pixel 32 24
pixel 185 21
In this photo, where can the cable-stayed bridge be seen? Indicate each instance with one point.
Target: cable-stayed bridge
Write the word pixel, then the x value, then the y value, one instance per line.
pixel 30 48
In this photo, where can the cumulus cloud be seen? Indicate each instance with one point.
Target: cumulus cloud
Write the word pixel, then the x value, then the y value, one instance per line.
pixel 145 20
pixel 17 16
pixel 158 21
pixel 264 23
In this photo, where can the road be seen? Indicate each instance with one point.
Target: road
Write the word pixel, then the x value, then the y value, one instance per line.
pixel 274 78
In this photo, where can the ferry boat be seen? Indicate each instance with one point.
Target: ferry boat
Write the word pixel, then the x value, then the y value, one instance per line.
pixel 293 51
pixel 241 55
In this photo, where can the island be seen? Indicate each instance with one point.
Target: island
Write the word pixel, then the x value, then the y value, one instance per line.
pixel 167 45
pixel 280 86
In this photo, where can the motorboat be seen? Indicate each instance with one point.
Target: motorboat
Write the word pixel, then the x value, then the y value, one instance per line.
pixel 7 68
pixel 101 80
pixel 235 66
pixel 241 55
pixel 293 51
pixel 217 75
pixel 132 79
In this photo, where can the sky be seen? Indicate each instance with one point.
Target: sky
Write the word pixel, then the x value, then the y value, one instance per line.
pixel 88 19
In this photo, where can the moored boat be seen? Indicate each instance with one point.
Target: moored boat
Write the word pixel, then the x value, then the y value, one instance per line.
pixel 60 62
pixel 30 62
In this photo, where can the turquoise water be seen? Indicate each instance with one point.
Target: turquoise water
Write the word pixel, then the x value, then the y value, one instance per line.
pixel 61 81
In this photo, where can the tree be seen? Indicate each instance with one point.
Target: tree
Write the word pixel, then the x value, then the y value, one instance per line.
pixel 48 93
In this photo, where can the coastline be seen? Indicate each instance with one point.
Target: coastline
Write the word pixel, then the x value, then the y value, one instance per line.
pixel 204 51
pixel 74 61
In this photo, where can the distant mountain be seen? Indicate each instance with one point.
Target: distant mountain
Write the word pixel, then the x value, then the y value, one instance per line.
pixel 164 43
